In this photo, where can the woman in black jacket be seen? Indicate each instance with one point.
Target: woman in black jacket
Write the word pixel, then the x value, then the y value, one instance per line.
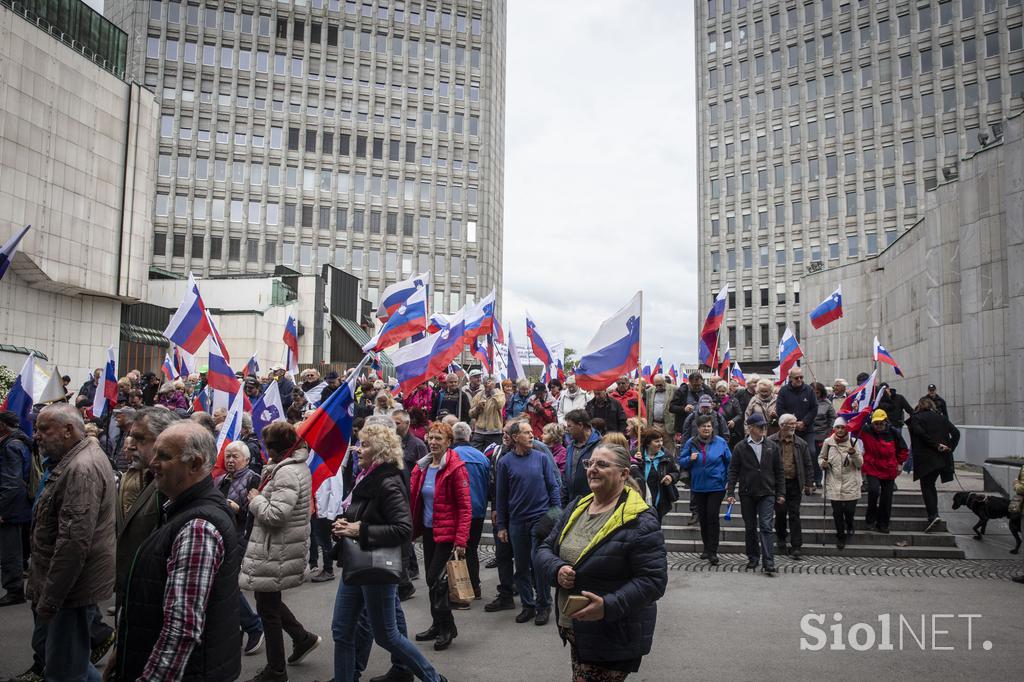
pixel 607 548
pixel 377 513
pixel 655 472
pixel 932 440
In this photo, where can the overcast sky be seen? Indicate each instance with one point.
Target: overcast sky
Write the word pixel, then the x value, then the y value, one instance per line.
pixel 600 177
pixel 600 169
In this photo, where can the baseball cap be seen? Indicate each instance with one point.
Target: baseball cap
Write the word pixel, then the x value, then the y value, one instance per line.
pixel 931 387
pixel 704 400
pixel 276 366
pixel 539 386
pixel 755 419
pixel 878 416
pixel 331 376
pixel 475 373
pixel 252 381
pixel 125 410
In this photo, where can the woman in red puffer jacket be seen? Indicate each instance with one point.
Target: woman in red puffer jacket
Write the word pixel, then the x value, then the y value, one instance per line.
pixel 885 451
pixel 441 513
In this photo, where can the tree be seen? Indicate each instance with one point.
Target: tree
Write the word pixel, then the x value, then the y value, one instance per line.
pixel 569 364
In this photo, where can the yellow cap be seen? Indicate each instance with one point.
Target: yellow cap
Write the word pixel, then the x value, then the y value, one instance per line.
pixel 879 416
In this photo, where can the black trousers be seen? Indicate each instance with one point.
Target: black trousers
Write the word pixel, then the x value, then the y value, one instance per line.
pixel 277 617
pixel 787 515
pixel 435 558
pixel 930 495
pixel 506 565
pixel 842 514
pixel 879 501
pixel 708 506
pixel 320 543
pixel 476 530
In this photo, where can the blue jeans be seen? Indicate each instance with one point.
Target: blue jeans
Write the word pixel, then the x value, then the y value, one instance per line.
pixel 758 520
pixel 68 645
pixel 364 637
pixel 379 602
pixel 251 622
pixel 527 581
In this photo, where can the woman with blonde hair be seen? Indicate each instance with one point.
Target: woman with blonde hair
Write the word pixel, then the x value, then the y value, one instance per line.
pixel 615 438
pixel 763 403
pixel 384 404
pixel 377 514
pixel 607 558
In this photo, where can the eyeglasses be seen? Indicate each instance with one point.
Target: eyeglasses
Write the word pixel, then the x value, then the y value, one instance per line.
pixel 599 463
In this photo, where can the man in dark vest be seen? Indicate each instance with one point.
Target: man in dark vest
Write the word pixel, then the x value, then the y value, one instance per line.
pixel 180 619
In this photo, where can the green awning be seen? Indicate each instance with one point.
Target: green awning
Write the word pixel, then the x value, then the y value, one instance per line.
pixel 21 350
pixel 361 338
pixel 139 334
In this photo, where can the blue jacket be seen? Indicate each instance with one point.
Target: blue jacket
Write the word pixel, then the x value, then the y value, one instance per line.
pixel 15 459
pixel 479 470
pixel 526 487
pixel 710 472
pixel 516 404
pixel 574 480
pixel 625 564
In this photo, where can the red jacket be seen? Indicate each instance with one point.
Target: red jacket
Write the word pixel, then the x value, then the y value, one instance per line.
pixel 540 413
pixel 453 509
pixel 625 398
pixel 884 453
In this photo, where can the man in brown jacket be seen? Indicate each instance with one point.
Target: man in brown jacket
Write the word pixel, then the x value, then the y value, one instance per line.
pixel 72 565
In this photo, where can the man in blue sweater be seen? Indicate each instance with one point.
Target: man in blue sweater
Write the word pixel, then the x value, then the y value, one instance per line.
pixel 479 470
pixel 526 488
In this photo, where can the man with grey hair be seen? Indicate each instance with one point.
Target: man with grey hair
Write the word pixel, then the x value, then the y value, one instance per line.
pixel 450 400
pixel 71 570
pixel 143 516
pixel 798 471
pixel 485 410
pixel 572 398
pixel 182 609
pixel 479 469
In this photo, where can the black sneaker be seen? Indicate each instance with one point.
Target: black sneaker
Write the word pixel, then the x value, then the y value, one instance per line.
pixel 406 594
pixel 33 674
pixel 12 598
pixel 394 675
pixel 526 614
pixel 543 616
pixel 713 559
pixel 268 674
pixel 705 556
pixel 323 577
pixel 751 565
pixel 302 649
pixel 840 542
pixel 491 563
pixel 500 603
pixel 795 554
pixel 932 526
pixel 769 571
pixel 253 643
pixel 1018 579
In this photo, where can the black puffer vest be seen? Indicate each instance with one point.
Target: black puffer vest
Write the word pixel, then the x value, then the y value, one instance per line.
pixel 218 656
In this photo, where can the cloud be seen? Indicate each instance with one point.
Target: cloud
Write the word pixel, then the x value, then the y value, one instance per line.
pixel 600 177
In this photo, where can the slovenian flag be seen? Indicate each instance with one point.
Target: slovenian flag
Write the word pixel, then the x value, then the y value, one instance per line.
pixel 291 342
pixel 106 392
pixel 190 324
pixel 707 345
pixel 725 366
pixel 737 373
pixel 882 355
pixel 829 310
pixel 409 318
pixel 421 360
pixel 230 431
pixel 672 374
pixel 540 349
pixel 789 353
pixel 615 349
pixel 168 369
pixel 252 368
pixel 398 293
pixel 328 430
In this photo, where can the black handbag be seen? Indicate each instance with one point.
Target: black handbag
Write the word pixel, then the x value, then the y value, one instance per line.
pixel 377 566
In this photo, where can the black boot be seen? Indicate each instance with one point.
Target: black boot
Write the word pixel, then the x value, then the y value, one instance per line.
pixel 430 633
pixel 444 639
pixel 394 675
pixel 840 541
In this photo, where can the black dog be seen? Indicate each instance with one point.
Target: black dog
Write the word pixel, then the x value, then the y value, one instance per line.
pixel 987 507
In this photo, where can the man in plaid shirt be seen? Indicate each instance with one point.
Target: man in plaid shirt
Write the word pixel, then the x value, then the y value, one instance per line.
pixel 181 615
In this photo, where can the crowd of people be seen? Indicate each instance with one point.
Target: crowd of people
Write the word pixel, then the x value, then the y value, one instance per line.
pixel 575 486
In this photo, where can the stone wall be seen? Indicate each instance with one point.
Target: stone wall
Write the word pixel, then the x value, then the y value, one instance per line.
pixel 945 298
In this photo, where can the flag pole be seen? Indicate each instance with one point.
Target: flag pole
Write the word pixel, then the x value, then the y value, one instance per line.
pixel 640 383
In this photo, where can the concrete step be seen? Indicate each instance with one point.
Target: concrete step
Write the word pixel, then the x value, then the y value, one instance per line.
pixel 819 536
pixel 813 519
pixel 911 496
pixel 810 549
pixel 808 505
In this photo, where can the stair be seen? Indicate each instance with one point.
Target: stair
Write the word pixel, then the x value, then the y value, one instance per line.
pixel 906 526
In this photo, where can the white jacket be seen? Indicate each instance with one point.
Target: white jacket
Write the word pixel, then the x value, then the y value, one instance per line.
pixel 567 403
pixel 329 498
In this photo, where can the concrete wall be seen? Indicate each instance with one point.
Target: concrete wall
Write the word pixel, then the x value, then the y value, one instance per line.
pixel 946 298
pixel 77 156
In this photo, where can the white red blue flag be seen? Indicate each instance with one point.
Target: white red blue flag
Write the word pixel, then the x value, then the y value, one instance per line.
pixel 291 343
pixel 789 353
pixel 184 362
pixel 252 368
pixel 513 364
pixel 220 377
pixel 884 356
pixel 537 344
pixel 230 430
pixel 672 374
pixel 726 364
pixel 417 362
pixel 707 345
pixel 8 250
pixel 479 317
pixel 396 294
pixel 190 325
pixel 480 351
pixel 829 310
pixel 615 349
pixel 737 373
pixel 409 318
pixel 860 395
pixel 106 393
pixel 328 430
pixel 168 369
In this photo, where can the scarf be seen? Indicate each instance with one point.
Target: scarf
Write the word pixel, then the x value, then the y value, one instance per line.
pixel 360 476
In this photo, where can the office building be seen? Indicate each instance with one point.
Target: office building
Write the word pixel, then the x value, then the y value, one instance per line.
pixel 365 135
pixel 821 125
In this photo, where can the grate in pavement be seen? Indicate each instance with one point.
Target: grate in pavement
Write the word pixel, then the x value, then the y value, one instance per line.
pixel 977 569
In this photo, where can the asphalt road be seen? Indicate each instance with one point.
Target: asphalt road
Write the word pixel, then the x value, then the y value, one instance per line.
pixel 711 625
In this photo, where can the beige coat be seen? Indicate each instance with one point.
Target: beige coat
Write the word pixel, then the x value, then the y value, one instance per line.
pixel 277 556
pixel 842 469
